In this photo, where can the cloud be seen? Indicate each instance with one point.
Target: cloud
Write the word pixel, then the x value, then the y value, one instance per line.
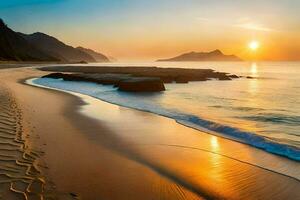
pixel 253 26
pixel 244 23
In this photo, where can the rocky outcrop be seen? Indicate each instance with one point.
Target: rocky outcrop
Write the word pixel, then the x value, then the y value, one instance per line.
pixel 135 79
pixel 124 82
pixel 167 75
pixel 142 84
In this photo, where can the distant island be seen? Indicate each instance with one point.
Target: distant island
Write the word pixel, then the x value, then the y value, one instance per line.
pixel 40 47
pixel 215 55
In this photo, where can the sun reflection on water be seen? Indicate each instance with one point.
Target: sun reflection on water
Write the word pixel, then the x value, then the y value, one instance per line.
pixel 216 167
pixel 214 143
pixel 253 70
pixel 253 83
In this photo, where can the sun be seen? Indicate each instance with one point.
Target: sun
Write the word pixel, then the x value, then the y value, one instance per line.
pixel 254 45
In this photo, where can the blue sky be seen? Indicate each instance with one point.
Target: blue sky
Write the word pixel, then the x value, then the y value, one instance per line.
pixel 172 26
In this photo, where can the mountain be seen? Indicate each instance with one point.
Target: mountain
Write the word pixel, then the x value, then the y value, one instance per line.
pixel 97 56
pixel 56 48
pixel 14 47
pixel 41 47
pixel 215 55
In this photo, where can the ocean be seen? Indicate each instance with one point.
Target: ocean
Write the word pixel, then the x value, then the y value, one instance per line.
pixel 263 112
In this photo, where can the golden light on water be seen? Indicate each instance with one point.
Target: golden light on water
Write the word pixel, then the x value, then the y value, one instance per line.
pixel 253 83
pixel 214 143
pixel 254 45
pixel 253 69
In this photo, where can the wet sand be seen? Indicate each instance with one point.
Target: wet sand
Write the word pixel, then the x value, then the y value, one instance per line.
pixel 102 151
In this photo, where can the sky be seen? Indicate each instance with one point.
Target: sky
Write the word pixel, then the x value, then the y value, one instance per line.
pixel 154 29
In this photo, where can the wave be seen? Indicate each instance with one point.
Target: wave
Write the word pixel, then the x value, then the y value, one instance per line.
pixel 275 118
pixel 109 94
pixel 239 108
pixel 236 134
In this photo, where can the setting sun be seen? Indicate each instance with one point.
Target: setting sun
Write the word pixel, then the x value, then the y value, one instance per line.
pixel 254 45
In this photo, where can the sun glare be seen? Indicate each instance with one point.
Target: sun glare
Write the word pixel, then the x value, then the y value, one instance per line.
pixel 254 45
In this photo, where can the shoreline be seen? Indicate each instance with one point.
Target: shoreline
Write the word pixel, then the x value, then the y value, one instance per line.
pixel 88 100
pixel 61 136
pixel 128 153
pixel 87 111
pixel 245 137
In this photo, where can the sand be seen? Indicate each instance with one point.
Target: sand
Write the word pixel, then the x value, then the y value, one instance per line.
pixel 102 151
pixel 20 176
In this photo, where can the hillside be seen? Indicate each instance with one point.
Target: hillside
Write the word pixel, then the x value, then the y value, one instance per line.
pixel 215 55
pixel 38 46
pixel 56 48
pixel 14 47
pixel 96 55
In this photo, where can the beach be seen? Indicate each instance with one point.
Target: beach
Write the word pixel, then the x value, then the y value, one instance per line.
pixel 90 149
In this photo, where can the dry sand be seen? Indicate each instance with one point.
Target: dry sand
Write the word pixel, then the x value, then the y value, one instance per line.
pixel 19 175
pixel 110 152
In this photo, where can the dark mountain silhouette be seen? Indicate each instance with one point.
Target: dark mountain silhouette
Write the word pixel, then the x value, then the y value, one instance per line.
pixel 41 47
pixel 97 56
pixel 14 47
pixel 215 55
pixel 56 48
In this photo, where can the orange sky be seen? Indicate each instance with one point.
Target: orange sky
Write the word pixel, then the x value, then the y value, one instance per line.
pixel 149 30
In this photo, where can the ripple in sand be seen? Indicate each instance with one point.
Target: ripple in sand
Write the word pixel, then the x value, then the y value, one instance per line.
pixel 19 176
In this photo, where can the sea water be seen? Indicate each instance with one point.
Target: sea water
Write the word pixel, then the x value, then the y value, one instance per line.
pixel 263 111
